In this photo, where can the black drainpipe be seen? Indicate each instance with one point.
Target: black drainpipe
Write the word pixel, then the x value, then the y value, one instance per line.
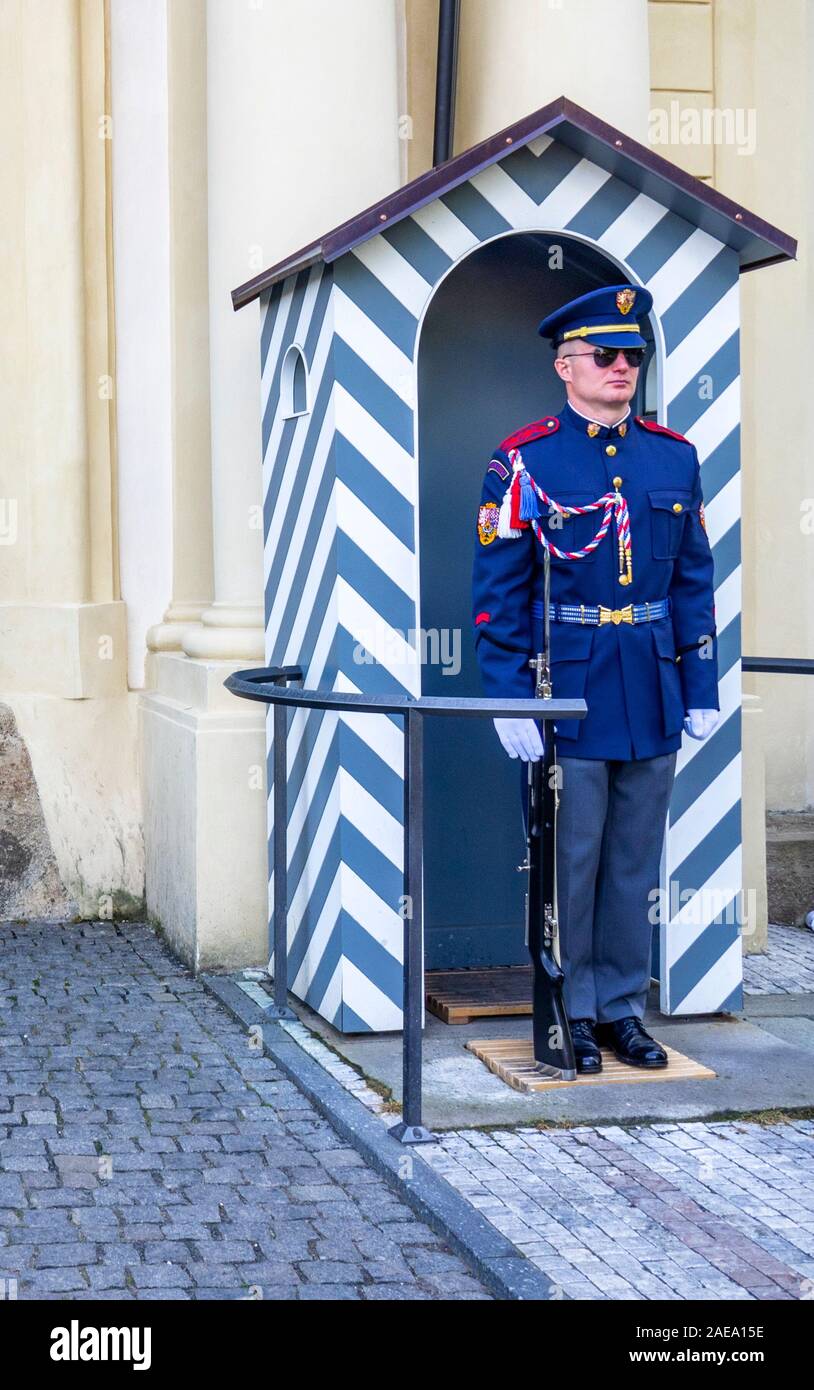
pixel 446 78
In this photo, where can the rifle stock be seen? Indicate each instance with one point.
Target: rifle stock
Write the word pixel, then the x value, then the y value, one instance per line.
pixel 553 1047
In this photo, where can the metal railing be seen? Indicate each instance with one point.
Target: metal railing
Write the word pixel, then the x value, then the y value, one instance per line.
pixel 274 685
pixel 783 665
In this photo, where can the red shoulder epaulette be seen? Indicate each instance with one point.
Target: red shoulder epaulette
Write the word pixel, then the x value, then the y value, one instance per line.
pixel 661 429
pixel 537 430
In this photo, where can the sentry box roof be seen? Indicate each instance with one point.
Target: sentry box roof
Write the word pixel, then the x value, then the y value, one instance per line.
pixel 757 242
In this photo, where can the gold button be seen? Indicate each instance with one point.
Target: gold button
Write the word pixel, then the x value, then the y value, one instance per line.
pixel 617 482
pixel 677 507
pixel 611 449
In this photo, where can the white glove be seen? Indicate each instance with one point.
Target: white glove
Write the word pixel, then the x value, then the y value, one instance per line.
pixel 520 738
pixel 699 723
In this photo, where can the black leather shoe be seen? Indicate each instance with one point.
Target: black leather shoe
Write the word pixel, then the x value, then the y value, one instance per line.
pixel 586 1049
pixel 630 1043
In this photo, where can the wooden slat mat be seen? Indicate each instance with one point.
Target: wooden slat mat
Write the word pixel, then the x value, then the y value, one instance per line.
pixel 512 1060
pixel 457 996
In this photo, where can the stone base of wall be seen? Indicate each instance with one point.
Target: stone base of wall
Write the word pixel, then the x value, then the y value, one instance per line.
pixel 70 808
pixel 203 775
pixel 30 884
pixel 790 865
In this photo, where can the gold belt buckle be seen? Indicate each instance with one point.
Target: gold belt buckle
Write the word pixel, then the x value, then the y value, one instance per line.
pixel 616 615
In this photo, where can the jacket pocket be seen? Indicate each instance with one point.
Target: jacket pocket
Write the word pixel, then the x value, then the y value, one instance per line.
pixel 672 697
pixel 573 532
pixel 571 647
pixel 668 514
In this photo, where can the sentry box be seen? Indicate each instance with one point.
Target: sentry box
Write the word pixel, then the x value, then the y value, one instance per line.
pixel 395 352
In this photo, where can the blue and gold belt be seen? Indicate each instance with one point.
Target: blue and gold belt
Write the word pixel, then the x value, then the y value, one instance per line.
pixel 597 614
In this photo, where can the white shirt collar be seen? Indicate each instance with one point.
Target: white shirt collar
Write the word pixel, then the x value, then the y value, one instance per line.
pixel 591 419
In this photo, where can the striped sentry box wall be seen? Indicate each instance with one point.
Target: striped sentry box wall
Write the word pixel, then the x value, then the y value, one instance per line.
pixel 340 488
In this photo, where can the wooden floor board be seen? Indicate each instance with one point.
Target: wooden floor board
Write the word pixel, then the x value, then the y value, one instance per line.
pixel 458 996
pixel 512 1060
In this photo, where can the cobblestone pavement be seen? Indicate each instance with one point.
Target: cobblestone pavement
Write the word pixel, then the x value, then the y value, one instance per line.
pixel 786 967
pixel 146 1151
pixel 666 1211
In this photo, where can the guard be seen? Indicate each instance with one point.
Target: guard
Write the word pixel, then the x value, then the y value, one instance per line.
pixel 616 501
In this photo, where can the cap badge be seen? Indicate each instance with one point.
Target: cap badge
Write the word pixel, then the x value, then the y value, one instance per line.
pixel 625 299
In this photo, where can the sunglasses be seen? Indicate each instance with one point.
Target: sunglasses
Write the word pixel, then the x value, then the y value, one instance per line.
pixel 606 356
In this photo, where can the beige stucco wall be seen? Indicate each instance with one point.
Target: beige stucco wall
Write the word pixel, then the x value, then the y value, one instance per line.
pixel 682 72
pixel 274 167
pixel 516 55
pixel 764 55
pixel 751 61
pixel 62 625
pixel 279 121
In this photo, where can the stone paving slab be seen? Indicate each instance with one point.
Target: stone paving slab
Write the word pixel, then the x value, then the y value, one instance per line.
pixel 785 967
pixel 148 1148
pixel 670 1210
pixel 760 1061
pixel 756 1068
pixel 667 1211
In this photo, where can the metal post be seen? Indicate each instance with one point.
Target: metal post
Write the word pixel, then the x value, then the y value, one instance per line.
pixel 446 80
pixel 280 1007
pixel 410 1130
pixel 272 685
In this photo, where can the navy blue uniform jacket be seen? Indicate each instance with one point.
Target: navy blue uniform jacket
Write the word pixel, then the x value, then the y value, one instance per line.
pixel 638 680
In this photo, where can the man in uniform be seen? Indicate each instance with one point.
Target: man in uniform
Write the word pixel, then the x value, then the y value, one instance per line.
pixel 617 501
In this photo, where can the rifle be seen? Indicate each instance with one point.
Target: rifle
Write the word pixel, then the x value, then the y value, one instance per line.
pixel 553 1047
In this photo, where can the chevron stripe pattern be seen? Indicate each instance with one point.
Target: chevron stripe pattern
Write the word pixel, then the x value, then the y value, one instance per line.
pixel 341 573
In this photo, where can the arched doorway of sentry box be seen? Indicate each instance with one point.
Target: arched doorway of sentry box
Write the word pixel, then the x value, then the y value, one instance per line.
pixel 482 371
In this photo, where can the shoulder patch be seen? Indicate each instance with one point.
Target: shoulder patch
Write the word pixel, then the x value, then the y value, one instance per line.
pixel 495 466
pixel 661 429
pixel 537 430
pixel 488 518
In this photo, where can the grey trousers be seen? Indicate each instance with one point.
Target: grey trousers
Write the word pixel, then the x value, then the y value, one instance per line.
pixel 611 820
